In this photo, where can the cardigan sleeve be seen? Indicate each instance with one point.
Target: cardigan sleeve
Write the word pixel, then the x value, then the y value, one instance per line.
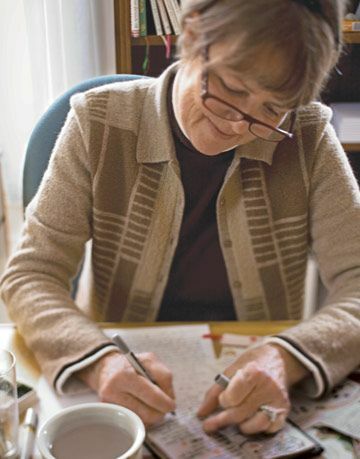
pixel 331 338
pixel 36 284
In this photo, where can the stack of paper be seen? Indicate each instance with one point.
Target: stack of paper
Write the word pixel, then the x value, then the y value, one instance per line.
pixel 346 121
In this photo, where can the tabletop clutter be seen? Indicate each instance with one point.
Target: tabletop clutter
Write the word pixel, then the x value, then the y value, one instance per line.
pixel 109 431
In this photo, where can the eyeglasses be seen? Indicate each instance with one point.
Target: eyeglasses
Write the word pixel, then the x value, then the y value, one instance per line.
pixel 228 112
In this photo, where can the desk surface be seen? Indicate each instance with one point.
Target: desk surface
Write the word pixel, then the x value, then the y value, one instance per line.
pixel 28 370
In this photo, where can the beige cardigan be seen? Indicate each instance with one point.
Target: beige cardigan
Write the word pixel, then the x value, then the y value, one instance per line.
pixel 114 178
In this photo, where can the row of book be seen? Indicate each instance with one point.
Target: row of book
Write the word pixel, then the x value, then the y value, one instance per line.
pixel 155 17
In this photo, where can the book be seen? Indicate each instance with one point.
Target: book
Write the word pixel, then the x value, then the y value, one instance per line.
pixel 177 8
pixel 150 24
pixel 135 18
pixel 156 17
pixel 142 18
pixel 170 7
pixel 164 17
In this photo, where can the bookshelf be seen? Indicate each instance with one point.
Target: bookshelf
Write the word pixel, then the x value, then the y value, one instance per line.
pixel 125 42
pixel 127 47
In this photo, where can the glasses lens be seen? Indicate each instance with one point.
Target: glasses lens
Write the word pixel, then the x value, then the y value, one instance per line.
pixel 222 110
pixel 266 133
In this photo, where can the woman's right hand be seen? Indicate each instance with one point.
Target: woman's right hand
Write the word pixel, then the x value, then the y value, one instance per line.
pixel 116 381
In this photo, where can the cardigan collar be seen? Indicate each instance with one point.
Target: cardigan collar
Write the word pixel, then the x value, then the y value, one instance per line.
pixel 155 140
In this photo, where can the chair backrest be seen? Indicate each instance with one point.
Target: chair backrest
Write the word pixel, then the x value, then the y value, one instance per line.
pixel 44 135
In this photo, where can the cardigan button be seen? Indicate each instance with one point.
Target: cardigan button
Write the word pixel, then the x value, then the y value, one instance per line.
pixel 227 243
pixel 237 284
pixel 222 202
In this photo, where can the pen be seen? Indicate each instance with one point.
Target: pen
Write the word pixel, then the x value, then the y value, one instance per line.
pixel 133 360
pixel 29 425
pixel 222 380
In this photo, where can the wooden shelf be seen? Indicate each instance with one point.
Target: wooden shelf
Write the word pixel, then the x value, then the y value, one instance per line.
pixel 352 37
pixel 125 43
pixel 156 40
pixel 153 40
pixel 351 147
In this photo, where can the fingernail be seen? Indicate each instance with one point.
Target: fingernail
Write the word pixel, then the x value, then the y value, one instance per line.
pixel 208 428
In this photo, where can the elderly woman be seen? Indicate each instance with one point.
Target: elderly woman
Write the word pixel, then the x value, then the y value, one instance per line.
pixel 202 192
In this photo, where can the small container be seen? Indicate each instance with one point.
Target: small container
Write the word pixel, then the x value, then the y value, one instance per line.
pixel 9 415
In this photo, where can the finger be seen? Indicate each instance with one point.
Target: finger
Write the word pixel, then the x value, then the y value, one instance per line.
pixel 259 422
pixel 149 393
pixel 147 414
pixel 242 384
pixel 238 414
pixel 211 401
pixel 223 419
pixel 160 373
pixel 278 424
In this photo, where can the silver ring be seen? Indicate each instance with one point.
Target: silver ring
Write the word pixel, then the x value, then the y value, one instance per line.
pixel 271 412
pixel 222 380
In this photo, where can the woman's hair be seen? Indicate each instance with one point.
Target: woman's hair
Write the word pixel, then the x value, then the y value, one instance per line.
pixel 288 46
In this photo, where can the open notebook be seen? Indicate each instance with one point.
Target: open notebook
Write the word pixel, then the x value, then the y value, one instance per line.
pixel 194 365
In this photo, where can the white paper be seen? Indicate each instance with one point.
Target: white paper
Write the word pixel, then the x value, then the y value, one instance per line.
pixel 340 410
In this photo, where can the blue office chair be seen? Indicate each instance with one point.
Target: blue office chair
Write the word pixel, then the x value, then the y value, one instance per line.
pixel 44 135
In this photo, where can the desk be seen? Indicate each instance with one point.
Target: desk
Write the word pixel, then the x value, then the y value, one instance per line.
pixel 29 371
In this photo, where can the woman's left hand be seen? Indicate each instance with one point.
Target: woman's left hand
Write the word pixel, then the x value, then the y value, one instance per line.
pixel 260 378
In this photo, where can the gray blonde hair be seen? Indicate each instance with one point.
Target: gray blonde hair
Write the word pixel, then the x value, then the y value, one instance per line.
pixel 284 45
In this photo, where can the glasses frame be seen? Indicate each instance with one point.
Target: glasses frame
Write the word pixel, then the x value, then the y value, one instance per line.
pixel 206 94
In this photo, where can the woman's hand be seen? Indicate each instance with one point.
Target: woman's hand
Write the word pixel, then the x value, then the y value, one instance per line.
pixel 116 381
pixel 261 376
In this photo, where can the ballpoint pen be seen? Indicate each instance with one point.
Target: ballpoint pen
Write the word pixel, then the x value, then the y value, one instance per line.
pixel 29 425
pixel 133 360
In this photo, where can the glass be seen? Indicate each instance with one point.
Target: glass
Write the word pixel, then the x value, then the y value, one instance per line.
pixel 228 112
pixel 9 416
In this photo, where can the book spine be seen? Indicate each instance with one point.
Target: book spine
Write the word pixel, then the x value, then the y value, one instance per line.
pixel 177 10
pixel 142 18
pixel 156 16
pixel 164 18
pixel 172 16
pixel 135 18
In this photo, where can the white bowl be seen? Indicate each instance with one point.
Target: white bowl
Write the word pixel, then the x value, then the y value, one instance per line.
pixel 75 415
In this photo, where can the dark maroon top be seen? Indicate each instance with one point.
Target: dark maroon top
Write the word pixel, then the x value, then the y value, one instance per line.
pixel 198 287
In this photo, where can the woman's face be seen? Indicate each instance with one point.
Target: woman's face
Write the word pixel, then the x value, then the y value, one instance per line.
pixel 207 132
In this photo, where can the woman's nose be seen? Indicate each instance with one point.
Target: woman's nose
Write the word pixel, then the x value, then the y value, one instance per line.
pixel 240 127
